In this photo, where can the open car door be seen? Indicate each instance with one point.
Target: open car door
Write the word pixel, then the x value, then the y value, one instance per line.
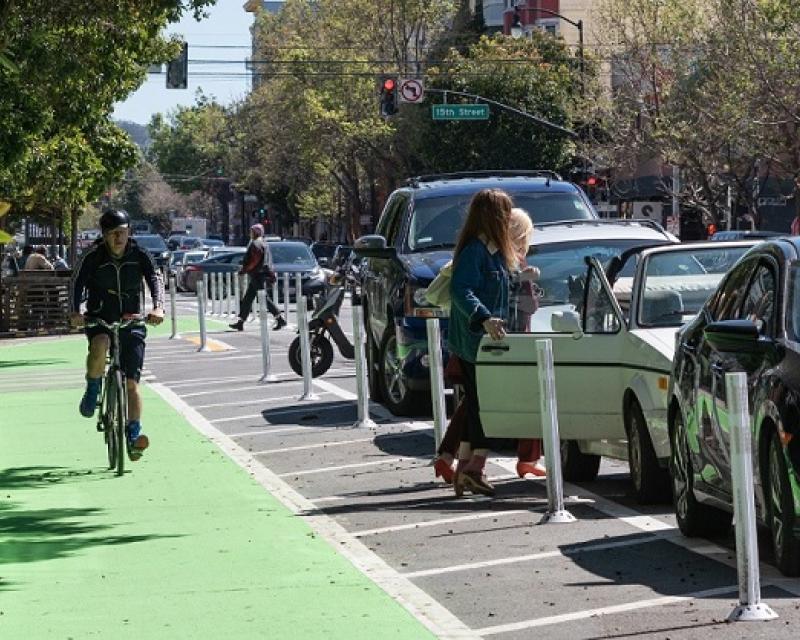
pixel 586 355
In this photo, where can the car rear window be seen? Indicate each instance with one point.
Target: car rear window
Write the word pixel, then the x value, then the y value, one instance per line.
pixel 437 221
pixel 291 254
pixel 153 243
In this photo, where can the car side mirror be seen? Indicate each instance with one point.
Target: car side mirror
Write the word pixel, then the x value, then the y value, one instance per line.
pixel 374 246
pixel 737 336
pixel 567 322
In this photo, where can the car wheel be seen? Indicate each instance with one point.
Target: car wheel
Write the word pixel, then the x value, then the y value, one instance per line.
pixel 650 481
pixel 397 397
pixel 694 518
pixel 781 512
pixel 577 466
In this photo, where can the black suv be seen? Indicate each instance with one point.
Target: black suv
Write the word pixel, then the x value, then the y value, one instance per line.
pixel 415 236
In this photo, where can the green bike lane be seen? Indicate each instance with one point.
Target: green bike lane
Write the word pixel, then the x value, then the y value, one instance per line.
pixel 186 544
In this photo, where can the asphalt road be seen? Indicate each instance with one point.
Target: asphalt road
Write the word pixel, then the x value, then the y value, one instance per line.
pixel 471 567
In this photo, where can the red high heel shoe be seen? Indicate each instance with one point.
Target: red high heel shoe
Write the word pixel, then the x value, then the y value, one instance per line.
pixel 533 468
pixel 443 470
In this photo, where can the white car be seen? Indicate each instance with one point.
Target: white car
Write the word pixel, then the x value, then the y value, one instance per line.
pixel 612 350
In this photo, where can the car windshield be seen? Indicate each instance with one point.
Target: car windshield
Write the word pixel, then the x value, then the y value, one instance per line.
pixel 194 257
pixel 677 283
pixel 152 243
pixel 291 253
pixel 176 257
pixel 437 221
pixel 562 266
pixel 210 242
pixel 323 250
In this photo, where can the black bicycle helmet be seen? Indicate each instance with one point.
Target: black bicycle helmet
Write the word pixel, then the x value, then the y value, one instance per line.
pixel 113 218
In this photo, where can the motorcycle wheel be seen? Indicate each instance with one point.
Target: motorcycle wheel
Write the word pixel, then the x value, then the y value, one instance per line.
pixel 321 355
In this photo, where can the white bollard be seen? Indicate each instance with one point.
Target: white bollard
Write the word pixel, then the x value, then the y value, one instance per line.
pixel 213 278
pixel 750 607
pixel 298 291
pixel 286 296
pixel 362 389
pixel 437 380
pixel 266 359
pixel 237 292
pixel 556 513
pixel 275 292
pixel 201 316
pixel 305 352
pixel 205 285
pixel 220 292
pixel 228 293
pixel 173 308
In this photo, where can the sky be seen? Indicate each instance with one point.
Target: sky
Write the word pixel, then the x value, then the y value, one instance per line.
pixel 223 35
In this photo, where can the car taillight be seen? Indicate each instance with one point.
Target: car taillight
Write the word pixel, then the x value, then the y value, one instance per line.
pixel 415 304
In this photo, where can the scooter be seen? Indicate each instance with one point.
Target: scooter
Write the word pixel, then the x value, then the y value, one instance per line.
pixel 323 323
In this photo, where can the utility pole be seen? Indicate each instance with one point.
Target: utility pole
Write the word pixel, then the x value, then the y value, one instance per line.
pixel 676 205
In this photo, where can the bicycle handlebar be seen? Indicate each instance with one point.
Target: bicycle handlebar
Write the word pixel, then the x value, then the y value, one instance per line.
pixel 126 321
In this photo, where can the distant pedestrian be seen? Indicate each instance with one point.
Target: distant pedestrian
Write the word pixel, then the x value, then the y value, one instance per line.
pixel 38 261
pixel 483 257
pixel 59 263
pixel 257 264
pixel 27 250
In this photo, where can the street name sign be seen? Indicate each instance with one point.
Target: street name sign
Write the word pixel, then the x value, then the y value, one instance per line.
pixel 460 111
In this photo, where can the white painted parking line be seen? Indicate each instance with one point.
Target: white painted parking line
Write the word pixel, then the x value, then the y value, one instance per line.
pixel 194 394
pixel 242 403
pixel 335 390
pixel 441 521
pixel 531 557
pixel 235 418
pixel 342 467
pixel 283 377
pixel 320 445
pixel 263 432
pixel 436 618
pixel 604 611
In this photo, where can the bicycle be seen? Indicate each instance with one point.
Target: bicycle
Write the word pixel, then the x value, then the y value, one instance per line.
pixel 113 402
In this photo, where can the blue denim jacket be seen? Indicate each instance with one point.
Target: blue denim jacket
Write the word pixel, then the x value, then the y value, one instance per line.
pixel 478 290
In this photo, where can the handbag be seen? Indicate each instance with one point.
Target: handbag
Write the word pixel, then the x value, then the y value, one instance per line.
pixel 438 292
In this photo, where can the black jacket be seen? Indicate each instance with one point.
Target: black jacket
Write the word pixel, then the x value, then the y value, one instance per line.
pixel 114 284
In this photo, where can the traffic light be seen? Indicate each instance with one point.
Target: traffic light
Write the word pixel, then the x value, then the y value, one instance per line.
pixel 389 97
pixel 178 69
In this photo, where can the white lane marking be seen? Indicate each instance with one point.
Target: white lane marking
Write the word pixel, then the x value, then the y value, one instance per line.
pixel 286 376
pixel 261 432
pixel 235 418
pixel 248 388
pixel 252 356
pixel 337 391
pixel 441 521
pixel 320 445
pixel 601 611
pixel 529 557
pixel 422 606
pixel 242 403
pixel 342 467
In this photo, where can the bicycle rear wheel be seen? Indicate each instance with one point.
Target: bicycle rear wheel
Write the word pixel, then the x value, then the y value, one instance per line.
pixel 108 418
pixel 120 418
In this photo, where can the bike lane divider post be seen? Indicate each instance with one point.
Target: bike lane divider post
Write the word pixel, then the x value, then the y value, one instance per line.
pixel 266 358
pixel 286 295
pixel 205 285
pixel 237 292
pixel 305 352
pixel 228 293
pixel 220 292
pixel 201 317
pixel 556 513
pixel 213 291
pixel 437 380
pixel 173 312
pixel 362 391
pixel 275 298
pixel 750 607
pixel 298 290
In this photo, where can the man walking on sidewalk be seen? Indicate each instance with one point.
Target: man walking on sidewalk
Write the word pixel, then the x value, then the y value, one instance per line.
pixel 257 264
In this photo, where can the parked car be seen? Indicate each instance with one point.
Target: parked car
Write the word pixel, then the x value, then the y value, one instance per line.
pixel 752 324
pixel 175 261
pixel 323 252
pixel 415 236
pixel 174 240
pixel 188 257
pixel 154 245
pixel 225 263
pixel 295 257
pixel 744 235
pixel 212 242
pixel 190 243
pixel 218 251
pixel 612 329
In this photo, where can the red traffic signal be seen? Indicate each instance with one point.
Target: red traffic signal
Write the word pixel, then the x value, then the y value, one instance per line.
pixel 388 98
pixel 592 181
pixel 388 84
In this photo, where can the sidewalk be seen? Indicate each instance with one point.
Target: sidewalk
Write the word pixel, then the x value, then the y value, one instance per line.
pixel 186 544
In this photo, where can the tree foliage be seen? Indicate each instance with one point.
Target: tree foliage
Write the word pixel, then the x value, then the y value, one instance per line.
pixel 66 64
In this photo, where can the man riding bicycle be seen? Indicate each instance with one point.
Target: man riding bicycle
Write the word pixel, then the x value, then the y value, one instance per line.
pixel 111 271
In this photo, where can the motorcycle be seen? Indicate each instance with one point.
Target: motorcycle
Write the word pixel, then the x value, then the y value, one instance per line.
pixel 323 323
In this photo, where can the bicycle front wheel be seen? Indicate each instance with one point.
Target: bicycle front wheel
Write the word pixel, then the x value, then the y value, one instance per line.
pixel 109 412
pixel 120 418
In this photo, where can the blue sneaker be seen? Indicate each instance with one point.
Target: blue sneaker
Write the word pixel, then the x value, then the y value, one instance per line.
pixel 89 400
pixel 137 441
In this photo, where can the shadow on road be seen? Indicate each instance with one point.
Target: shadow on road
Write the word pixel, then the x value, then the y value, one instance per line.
pixel 7 364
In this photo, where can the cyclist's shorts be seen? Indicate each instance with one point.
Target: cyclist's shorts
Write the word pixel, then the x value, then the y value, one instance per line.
pixel 131 342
